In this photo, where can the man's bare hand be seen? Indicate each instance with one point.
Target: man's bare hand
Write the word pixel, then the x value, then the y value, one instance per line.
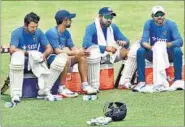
pixel 147 45
pixel 169 44
pixel 111 49
pixel 87 52
pixel 82 52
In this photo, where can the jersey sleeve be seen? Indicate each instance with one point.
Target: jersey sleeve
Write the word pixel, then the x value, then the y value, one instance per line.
pixel 178 42
pixel 69 40
pixel 146 32
pixel 52 38
pixel 43 39
pixel 88 38
pixel 15 38
pixel 118 35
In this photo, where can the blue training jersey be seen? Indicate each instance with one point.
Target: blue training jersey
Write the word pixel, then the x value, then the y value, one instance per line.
pixel 167 32
pixel 59 40
pixel 21 39
pixel 90 37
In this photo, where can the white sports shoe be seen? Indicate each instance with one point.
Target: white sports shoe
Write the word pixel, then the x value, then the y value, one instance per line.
pixel 65 92
pixel 147 89
pixel 16 99
pixel 139 86
pixel 48 96
pixel 89 89
pixel 159 88
pixel 126 84
pixel 177 85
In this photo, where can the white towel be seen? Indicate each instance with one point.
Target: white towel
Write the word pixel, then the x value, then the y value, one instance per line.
pixel 38 67
pixel 160 63
pixel 110 39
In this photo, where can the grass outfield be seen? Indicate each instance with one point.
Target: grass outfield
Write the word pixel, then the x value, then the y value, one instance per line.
pixel 157 109
pixel 161 109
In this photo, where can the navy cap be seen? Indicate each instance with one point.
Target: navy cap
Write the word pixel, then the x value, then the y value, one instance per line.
pixel 61 14
pixel 106 11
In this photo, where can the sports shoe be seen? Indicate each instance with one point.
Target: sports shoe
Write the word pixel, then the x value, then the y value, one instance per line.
pixel 48 96
pixel 147 89
pixel 126 84
pixel 16 99
pixel 160 88
pixel 139 86
pixel 65 92
pixel 177 85
pixel 89 89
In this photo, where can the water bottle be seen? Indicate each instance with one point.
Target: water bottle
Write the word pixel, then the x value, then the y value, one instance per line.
pixel 89 97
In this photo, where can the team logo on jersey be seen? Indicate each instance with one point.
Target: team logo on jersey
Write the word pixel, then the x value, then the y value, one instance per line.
pixel 30 47
pixel 24 47
pixel 158 39
pixel 34 38
pixel 165 32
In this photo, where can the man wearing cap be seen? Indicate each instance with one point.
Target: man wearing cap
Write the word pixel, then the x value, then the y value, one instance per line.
pixel 107 35
pixel 156 29
pixel 61 41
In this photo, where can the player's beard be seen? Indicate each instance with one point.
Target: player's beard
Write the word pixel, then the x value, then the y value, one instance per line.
pixel 29 31
pixel 160 21
pixel 68 25
pixel 105 23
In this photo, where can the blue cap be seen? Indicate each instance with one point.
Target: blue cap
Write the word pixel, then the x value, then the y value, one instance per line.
pixel 62 14
pixel 106 11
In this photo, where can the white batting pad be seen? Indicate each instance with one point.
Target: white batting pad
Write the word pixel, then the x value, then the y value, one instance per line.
pixel 133 49
pixel 16 73
pixel 128 71
pixel 94 67
pixel 57 66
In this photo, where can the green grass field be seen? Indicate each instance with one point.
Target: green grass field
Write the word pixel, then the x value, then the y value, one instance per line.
pixel 157 109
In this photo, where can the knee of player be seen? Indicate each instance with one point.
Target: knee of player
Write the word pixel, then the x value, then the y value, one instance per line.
pixel 68 61
pixel 82 59
pixel 124 52
pixel 59 61
pixel 140 51
pixel 177 51
pixel 17 60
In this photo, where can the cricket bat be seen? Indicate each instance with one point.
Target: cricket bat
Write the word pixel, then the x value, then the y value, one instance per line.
pixel 118 76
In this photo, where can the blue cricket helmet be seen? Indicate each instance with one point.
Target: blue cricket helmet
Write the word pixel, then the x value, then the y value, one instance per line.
pixel 116 110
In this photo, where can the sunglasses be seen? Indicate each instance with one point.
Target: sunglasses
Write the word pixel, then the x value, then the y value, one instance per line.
pixel 159 14
pixel 108 16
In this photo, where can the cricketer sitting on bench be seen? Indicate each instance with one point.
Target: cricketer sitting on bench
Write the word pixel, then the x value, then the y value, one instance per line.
pixel 61 41
pixel 102 32
pixel 159 30
pixel 24 40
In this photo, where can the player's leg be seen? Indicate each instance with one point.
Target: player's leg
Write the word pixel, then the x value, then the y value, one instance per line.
pixel 65 92
pixel 83 70
pixel 130 66
pixel 142 53
pixel 123 53
pixel 16 75
pixel 93 61
pixel 56 67
pixel 175 56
